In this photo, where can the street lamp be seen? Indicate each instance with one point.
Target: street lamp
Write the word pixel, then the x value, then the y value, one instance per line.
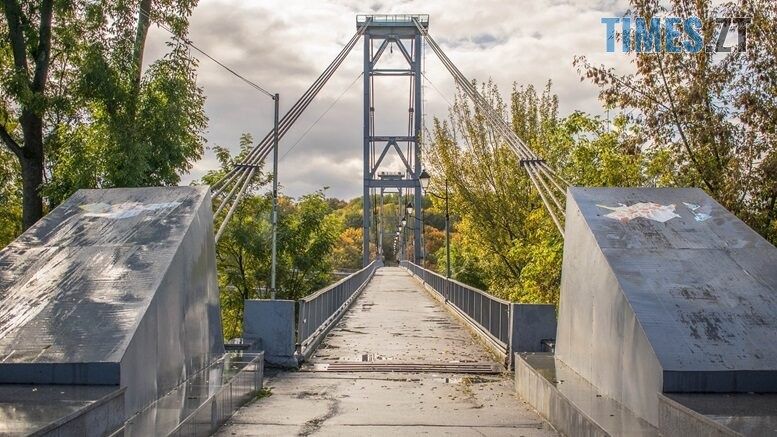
pixel 276 98
pixel 409 208
pixel 425 179
pixel 404 222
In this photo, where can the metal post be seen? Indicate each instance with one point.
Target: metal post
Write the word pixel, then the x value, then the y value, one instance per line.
pixel 274 198
pixel 418 234
pixel 367 169
pixel 380 227
pixel 447 235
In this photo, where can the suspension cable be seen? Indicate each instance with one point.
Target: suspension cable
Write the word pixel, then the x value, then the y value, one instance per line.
pixel 239 178
pixel 550 186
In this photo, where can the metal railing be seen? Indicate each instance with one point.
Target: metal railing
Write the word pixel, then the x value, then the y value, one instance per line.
pixel 320 310
pixel 422 19
pixel 488 313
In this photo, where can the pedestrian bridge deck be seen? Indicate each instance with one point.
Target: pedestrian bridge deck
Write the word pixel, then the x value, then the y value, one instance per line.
pixel 438 387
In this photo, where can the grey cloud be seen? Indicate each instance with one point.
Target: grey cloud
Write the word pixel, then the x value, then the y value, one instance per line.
pixel 284 45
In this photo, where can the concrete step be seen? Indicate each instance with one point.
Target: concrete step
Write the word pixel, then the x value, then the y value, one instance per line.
pixel 570 403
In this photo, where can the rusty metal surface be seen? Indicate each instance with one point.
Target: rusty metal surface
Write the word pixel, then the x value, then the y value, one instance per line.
pixel 113 287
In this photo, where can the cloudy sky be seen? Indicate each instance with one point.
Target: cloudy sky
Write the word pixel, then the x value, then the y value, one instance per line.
pixel 284 45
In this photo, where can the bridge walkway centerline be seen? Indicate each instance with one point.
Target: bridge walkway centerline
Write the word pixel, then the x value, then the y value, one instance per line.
pixel 393 321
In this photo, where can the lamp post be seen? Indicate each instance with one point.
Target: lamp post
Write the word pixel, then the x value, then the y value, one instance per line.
pixel 277 99
pixel 425 181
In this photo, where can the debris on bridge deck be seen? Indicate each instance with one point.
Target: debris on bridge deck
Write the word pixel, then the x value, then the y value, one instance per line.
pixel 112 288
pixel 397 363
pixel 664 291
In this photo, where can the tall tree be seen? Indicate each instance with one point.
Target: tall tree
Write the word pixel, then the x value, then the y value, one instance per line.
pixel 501 226
pixel 712 114
pixel 145 125
pixel 78 107
pixel 27 36
pixel 504 240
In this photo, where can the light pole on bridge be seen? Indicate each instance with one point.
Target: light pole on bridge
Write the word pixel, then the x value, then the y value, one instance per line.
pixel 276 98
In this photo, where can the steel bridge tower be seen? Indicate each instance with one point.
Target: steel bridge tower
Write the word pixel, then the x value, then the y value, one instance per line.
pixel 380 33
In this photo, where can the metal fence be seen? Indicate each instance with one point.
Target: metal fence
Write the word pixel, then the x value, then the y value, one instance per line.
pixel 318 311
pixel 489 313
pixel 423 19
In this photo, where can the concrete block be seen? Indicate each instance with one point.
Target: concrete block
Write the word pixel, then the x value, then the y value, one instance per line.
pixel 530 324
pixel 677 420
pixel 570 403
pixel 271 324
pixel 114 287
pixel 663 290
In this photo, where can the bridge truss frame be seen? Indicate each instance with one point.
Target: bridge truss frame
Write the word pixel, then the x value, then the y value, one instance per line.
pixel 379 33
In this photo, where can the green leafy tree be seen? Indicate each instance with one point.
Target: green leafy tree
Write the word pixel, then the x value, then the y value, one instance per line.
pixel 145 127
pixel 504 241
pixel 501 223
pixel 26 54
pixel 78 110
pixel 308 230
pixel 10 198
pixel 710 115
pixel 307 236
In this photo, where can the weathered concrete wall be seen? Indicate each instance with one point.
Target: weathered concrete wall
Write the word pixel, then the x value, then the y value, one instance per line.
pixel 598 334
pixel 271 324
pixel 102 418
pixel 113 287
pixel 676 420
pixel 531 323
pixel 675 294
pixel 561 412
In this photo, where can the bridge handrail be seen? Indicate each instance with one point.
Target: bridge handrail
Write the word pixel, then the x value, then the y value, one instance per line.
pixel 490 314
pixel 320 310
pixel 423 19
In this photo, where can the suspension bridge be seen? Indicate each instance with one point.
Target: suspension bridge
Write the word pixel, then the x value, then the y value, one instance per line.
pixel 110 322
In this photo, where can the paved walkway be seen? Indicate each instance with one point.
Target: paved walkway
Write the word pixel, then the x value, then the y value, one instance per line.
pixel 393 321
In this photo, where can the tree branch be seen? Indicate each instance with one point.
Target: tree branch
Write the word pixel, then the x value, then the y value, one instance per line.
pixel 43 51
pixel 680 129
pixel 16 35
pixel 12 145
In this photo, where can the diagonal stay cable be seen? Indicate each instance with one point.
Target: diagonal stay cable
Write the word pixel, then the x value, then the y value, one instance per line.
pixel 304 134
pixel 191 44
pixel 260 151
pixel 536 168
pixel 243 173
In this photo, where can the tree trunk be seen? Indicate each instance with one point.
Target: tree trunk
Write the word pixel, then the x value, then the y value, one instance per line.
pixel 141 32
pixel 30 154
pixel 32 203
pixel 31 161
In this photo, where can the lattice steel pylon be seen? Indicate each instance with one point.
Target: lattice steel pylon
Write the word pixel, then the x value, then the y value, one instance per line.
pixel 401 31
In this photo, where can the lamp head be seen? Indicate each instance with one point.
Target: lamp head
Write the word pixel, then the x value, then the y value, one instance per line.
pixel 425 179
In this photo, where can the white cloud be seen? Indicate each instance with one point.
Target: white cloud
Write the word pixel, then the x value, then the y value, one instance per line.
pixel 284 45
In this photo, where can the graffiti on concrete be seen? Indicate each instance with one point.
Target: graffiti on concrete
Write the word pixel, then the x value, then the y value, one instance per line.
pixel 646 210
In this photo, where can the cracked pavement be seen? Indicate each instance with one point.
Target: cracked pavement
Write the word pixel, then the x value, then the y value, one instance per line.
pixel 394 319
